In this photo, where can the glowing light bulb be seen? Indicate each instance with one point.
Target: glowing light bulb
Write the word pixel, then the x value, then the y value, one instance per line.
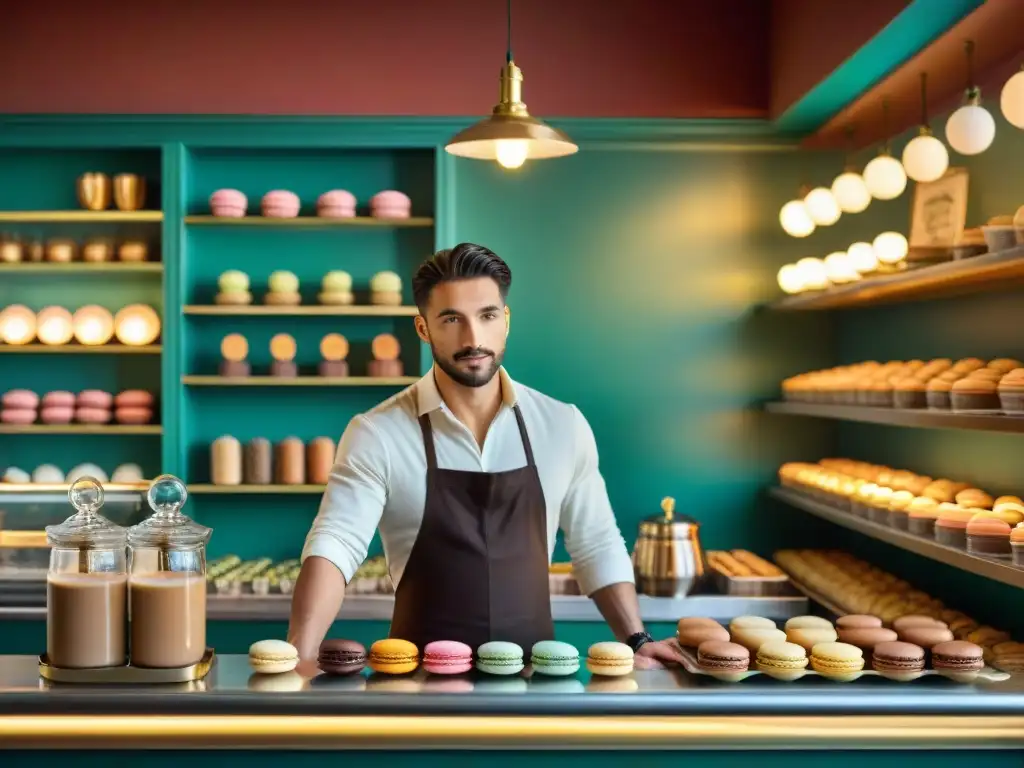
pixel 1011 100
pixel 890 247
pixel 94 325
pixel 795 219
pixel 136 325
pixel 17 324
pixel 925 158
pixel 839 269
pixel 53 326
pixel 971 129
pixel 885 177
pixel 813 273
pixel 851 192
pixel 511 153
pixel 822 206
pixel 791 279
pixel 863 258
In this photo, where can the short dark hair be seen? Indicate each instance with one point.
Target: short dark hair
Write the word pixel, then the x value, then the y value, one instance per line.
pixel 463 262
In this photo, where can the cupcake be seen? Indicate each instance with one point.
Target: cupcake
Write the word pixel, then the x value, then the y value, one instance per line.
pixel 951 526
pixel 922 513
pixel 1017 544
pixel 988 536
pixel 283 289
pixel 336 204
pixel 975 393
pixel 386 289
pixel 1011 392
pixel 390 204
pixel 878 507
pixel 861 503
pixel 898 506
pixel 974 497
pixel 910 393
pixel 1007 500
pixel 1011 514
pixel 336 289
pixel 967 365
pixel 228 202
pixel 280 204
pixel 1004 364
pixel 937 393
pixel 233 288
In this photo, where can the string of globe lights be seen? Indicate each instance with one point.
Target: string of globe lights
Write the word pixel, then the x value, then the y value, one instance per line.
pixel 970 130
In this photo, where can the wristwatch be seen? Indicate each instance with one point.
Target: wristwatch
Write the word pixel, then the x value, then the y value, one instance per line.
pixel 638 639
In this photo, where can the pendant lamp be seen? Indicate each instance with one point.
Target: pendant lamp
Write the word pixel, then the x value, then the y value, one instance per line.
pixel 971 129
pixel 510 135
pixel 925 158
pixel 849 188
pixel 884 175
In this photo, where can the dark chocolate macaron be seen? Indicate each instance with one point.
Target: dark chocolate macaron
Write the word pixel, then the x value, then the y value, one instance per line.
pixel 341 657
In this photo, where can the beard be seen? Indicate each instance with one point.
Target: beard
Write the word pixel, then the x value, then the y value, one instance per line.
pixel 472 378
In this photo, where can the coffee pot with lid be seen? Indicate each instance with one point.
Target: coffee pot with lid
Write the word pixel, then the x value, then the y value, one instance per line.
pixel 668 559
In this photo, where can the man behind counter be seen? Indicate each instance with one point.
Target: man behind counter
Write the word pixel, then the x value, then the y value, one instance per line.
pixel 469 475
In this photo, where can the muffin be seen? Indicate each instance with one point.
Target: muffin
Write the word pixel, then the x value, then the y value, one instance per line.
pixel 967 365
pixel 1007 511
pixel 988 536
pixel 861 503
pixel 951 526
pixel 975 393
pixel 921 516
pixel 1017 544
pixel 974 497
pixel 910 393
pixel 878 506
pixel 937 393
pixel 1011 392
pixel 898 506
pixel 1004 364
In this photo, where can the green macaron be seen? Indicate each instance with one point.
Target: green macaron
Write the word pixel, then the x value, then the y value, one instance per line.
pixel 499 658
pixel 551 657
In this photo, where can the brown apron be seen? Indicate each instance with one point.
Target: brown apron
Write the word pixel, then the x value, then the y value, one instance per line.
pixel 478 570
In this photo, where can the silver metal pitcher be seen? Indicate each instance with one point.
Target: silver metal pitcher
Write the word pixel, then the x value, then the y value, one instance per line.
pixel 668 560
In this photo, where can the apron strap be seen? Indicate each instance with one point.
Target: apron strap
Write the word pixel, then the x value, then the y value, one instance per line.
pixel 527 448
pixel 428 442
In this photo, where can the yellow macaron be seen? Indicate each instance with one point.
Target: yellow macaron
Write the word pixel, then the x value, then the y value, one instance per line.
pixel 392 656
pixel 837 661
pixel 610 659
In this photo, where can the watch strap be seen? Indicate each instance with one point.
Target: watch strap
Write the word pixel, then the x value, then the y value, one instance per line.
pixel 638 639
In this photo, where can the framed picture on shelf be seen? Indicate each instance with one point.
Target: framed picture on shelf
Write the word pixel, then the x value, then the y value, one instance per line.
pixel 938 215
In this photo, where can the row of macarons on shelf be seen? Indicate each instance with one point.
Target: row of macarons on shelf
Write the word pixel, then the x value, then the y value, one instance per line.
pixel 849 585
pixel 90 406
pixel 952 513
pixel 134 325
pixel 334 348
pixel 394 656
pixel 233 289
pixel 51 474
pixel 968 385
pixel 334 204
pixel 289 462
pixel 62 250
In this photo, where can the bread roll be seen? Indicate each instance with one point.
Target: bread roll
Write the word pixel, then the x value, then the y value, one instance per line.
pixel 226 461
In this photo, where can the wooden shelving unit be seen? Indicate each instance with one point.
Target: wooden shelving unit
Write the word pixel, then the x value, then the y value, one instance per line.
pixel 261 310
pixel 80 349
pixel 83 267
pixel 307 221
pixel 81 429
pixel 902 417
pixel 998 570
pixel 248 489
pixel 108 488
pixel 988 272
pixel 87 217
pixel 299 381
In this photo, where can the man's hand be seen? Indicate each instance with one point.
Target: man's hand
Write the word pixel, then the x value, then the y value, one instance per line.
pixel 657 654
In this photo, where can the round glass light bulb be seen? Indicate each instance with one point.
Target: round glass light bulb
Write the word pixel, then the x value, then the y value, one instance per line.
pixel 822 206
pixel 971 129
pixel 1011 100
pixel 839 269
pixel 94 325
pixel 54 326
pixel 850 192
pixel 863 258
pixel 511 153
pixel 791 279
pixel 885 178
pixel 795 219
pixel 890 247
pixel 925 158
pixel 17 324
pixel 136 325
pixel 813 273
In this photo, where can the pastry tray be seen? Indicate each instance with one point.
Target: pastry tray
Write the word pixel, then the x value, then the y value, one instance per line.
pixel 986 674
pixel 127 675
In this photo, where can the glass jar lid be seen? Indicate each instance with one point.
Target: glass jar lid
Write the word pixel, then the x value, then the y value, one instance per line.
pixel 87 528
pixel 168 528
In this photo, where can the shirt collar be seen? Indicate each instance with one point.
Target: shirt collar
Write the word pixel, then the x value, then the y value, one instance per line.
pixel 428 397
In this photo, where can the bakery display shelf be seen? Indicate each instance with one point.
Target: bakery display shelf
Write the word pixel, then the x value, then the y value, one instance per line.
pixel 80 349
pixel 997 570
pixel 902 417
pixel 35 217
pixel 313 310
pixel 308 221
pixel 989 272
pixel 815 597
pixel 240 489
pixel 108 488
pixel 83 267
pixel 80 429
pixel 299 381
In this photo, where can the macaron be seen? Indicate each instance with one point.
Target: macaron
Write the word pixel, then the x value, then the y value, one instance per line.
pixel 898 661
pixel 16 475
pixel 857 621
pixel 554 658
pixel 18 415
pixel 724 660
pixel 337 281
pixel 228 202
pixel 336 204
pixel 92 415
pixel 752 638
pixel 610 659
pixel 447 657
pixel 341 657
pixel 390 204
pixel 916 620
pixel 837 661
pixel 499 658
pixel 283 281
pixel 94 398
pixel 866 638
pixel 127 473
pixel 20 398
pixel 691 635
pixel 272 657
pixel 385 282
pixel 233 281
pixel 782 660
pixel 280 203
pixel 808 622
pixel 58 398
pixel 958 659
pixel 926 636
pixel 133 415
pixel 809 637
pixel 87 469
pixel 392 656
pixel 47 473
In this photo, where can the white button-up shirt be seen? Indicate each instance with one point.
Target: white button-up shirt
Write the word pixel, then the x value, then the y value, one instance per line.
pixel 379 479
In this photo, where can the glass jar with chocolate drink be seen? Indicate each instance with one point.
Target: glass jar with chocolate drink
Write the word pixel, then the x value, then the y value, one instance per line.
pixel 86 585
pixel 167 582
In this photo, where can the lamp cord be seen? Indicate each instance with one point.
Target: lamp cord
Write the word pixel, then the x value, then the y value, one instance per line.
pixel 508 50
pixel 924 98
pixel 969 51
pixel 885 123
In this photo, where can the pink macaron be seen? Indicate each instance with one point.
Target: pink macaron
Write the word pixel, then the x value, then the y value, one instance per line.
pixel 56 414
pixel 133 415
pixel 280 204
pixel 390 204
pixel 336 204
pixel 95 398
pixel 59 399
pixel 92 415
pixel 20 398
pixel 18 415
pixel 447 657
pixel 133 398
pixel 228 202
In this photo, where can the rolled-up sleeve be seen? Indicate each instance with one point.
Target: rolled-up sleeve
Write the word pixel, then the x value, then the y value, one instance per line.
pixel 592 536
pixel 354 500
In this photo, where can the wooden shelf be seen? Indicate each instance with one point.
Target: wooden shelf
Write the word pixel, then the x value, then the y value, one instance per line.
pixel 902 417
pixel 32 217
pixel 299 381
pixel 83 267
pixel 108 488
pixel 80 349
pixel 307 221
pixel 989 272
pixel 80 429
pixel 260 310
pixel 244 489
pixel 997 570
